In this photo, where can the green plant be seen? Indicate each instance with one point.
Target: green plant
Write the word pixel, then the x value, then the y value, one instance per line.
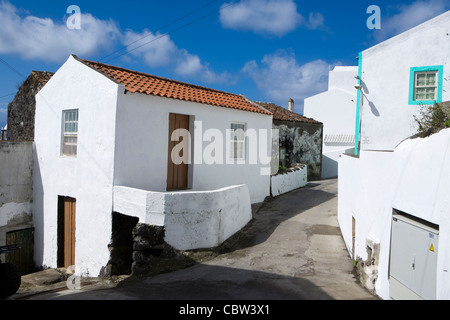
pixel 432 119
pixel 282 168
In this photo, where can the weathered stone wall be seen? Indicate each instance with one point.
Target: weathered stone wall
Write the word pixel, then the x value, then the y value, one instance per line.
pixel 16 165
pixel 151 254
pixel 121 245
pixel 21 111
pixel 303 143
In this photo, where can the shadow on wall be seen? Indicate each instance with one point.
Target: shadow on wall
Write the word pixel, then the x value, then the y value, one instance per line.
pixel 372 106
pixel 38 212
pixel 329 167
pixel 374 109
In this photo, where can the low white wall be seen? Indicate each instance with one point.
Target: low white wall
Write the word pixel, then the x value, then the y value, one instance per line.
pixel 288 181
pixel 415 179
pixel 192 219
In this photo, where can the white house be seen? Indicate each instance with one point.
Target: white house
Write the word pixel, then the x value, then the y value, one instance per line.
pixel 107 140
pixel 336 109
pixel 393 194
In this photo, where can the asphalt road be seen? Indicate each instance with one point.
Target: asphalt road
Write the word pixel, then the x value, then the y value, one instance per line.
pixel 291 250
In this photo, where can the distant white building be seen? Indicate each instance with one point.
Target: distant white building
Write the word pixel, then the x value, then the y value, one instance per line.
pixel 393 207
pixel 336 109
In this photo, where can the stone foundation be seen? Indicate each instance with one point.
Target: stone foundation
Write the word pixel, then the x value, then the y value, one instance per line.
pixel 151 254
pixel 121 245
pixel 367 270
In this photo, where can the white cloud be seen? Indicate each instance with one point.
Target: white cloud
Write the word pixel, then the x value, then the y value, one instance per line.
pixel 158 50
pixel 409 16
pixel 269 17
pixel 281 77
pixel 32 37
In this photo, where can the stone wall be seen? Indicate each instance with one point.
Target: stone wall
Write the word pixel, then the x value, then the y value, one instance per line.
pixel 121 245
pixel 150 250
pixel 303 143
pixel 21 111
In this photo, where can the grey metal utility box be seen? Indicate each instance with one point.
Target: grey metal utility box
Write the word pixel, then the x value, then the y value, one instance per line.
pixel 413 258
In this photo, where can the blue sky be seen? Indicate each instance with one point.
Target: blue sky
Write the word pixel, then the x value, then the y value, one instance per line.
pixel 268 50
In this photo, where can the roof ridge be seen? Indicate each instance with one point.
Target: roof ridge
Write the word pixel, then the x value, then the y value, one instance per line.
pixel 157 77
pixel 287 111
pixel 140 82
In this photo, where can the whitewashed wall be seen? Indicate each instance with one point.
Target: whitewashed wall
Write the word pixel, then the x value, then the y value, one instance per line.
pixel 336 109
pixel 415 179
pixel 16 165
pixel 285 182
pixel 192 219
pixel 386 116
pixel 143 139
pixel 88 178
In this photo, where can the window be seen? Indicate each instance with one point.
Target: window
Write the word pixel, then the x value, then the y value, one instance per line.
pixel 237 140
pixel 426 85
pixel 70 133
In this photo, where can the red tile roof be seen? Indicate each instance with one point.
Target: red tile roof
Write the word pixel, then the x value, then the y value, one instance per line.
pixel 282 114
pixel 42 76
pixel 138 82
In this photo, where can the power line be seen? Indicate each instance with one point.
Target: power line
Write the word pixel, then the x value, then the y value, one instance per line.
pixel 12 68
pixel 161 28
pixel 170 32
pixel 7 95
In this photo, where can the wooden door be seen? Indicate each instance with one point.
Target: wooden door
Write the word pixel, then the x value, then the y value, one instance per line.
pixel 67 223
pixel 177 174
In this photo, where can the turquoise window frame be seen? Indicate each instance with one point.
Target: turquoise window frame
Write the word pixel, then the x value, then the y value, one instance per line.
pixel 412 77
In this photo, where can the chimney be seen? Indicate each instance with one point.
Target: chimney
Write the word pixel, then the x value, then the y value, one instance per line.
pixel 291 105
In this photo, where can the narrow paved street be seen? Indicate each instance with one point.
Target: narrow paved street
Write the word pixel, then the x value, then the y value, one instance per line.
pixel 292 250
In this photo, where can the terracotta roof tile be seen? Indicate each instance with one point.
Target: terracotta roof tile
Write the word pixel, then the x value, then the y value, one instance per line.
pixel 42 76
pixel 282 114
pixel 137 82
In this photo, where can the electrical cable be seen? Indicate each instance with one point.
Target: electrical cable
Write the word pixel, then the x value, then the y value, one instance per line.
pixel 170 32
pixel 12 68
pixel 161 28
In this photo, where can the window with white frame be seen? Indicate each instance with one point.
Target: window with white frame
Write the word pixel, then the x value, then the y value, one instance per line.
pixel 70 133
pixel 237 141
pixel 425 85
